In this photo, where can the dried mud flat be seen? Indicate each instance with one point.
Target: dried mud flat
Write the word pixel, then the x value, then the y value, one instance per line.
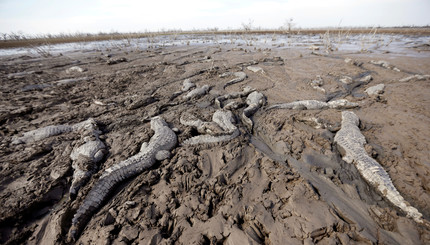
pixel 282 181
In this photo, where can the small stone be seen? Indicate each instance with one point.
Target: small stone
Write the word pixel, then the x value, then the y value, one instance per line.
pixel 129 232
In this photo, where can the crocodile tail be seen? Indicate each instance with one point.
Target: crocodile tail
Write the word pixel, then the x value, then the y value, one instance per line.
pixel 277 106
pixel 90 204
pixel 207 139
pixel 247 121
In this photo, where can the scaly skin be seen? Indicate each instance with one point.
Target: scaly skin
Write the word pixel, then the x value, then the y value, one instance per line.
pixel 351 141
pixel 85 157
pixel 225 120
pixel 42 133
pixel 254 101
pixel 187 85
pixel 158 148
pixel 202 127
pixel 315 105
pixel 197 92
pixel 239 77
pixel 415 77
pixel 48 131
pixel 220 99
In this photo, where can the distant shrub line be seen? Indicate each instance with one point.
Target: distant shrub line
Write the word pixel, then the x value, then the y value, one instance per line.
pixel 14 40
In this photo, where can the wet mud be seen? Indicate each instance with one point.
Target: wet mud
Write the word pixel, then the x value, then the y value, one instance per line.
pixel 280 180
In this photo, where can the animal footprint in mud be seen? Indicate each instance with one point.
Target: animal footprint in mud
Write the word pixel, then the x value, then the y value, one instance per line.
pixel 158 148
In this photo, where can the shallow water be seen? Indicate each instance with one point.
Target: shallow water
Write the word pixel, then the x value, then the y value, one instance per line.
pixel 381 43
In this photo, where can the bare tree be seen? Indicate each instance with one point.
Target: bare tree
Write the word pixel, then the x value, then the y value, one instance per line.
pixel 248 26
pixel 288 25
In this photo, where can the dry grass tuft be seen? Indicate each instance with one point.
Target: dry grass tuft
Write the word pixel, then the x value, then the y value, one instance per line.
pixel 13 40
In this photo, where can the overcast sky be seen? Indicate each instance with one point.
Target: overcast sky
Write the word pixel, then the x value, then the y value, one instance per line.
pixel 56 16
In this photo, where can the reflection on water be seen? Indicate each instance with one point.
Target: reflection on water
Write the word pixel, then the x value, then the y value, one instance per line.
pixel 379 43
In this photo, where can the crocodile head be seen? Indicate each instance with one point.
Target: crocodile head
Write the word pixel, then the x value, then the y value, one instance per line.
pixel 157 122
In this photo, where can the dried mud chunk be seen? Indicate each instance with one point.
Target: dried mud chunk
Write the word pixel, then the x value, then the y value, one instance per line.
pixel 282 147
pixel 130 233
pixel 150 237
pixel 383 217
pixel 109 219
pixel 237 237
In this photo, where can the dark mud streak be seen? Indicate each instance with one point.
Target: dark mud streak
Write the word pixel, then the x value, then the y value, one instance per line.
pixel 329 192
